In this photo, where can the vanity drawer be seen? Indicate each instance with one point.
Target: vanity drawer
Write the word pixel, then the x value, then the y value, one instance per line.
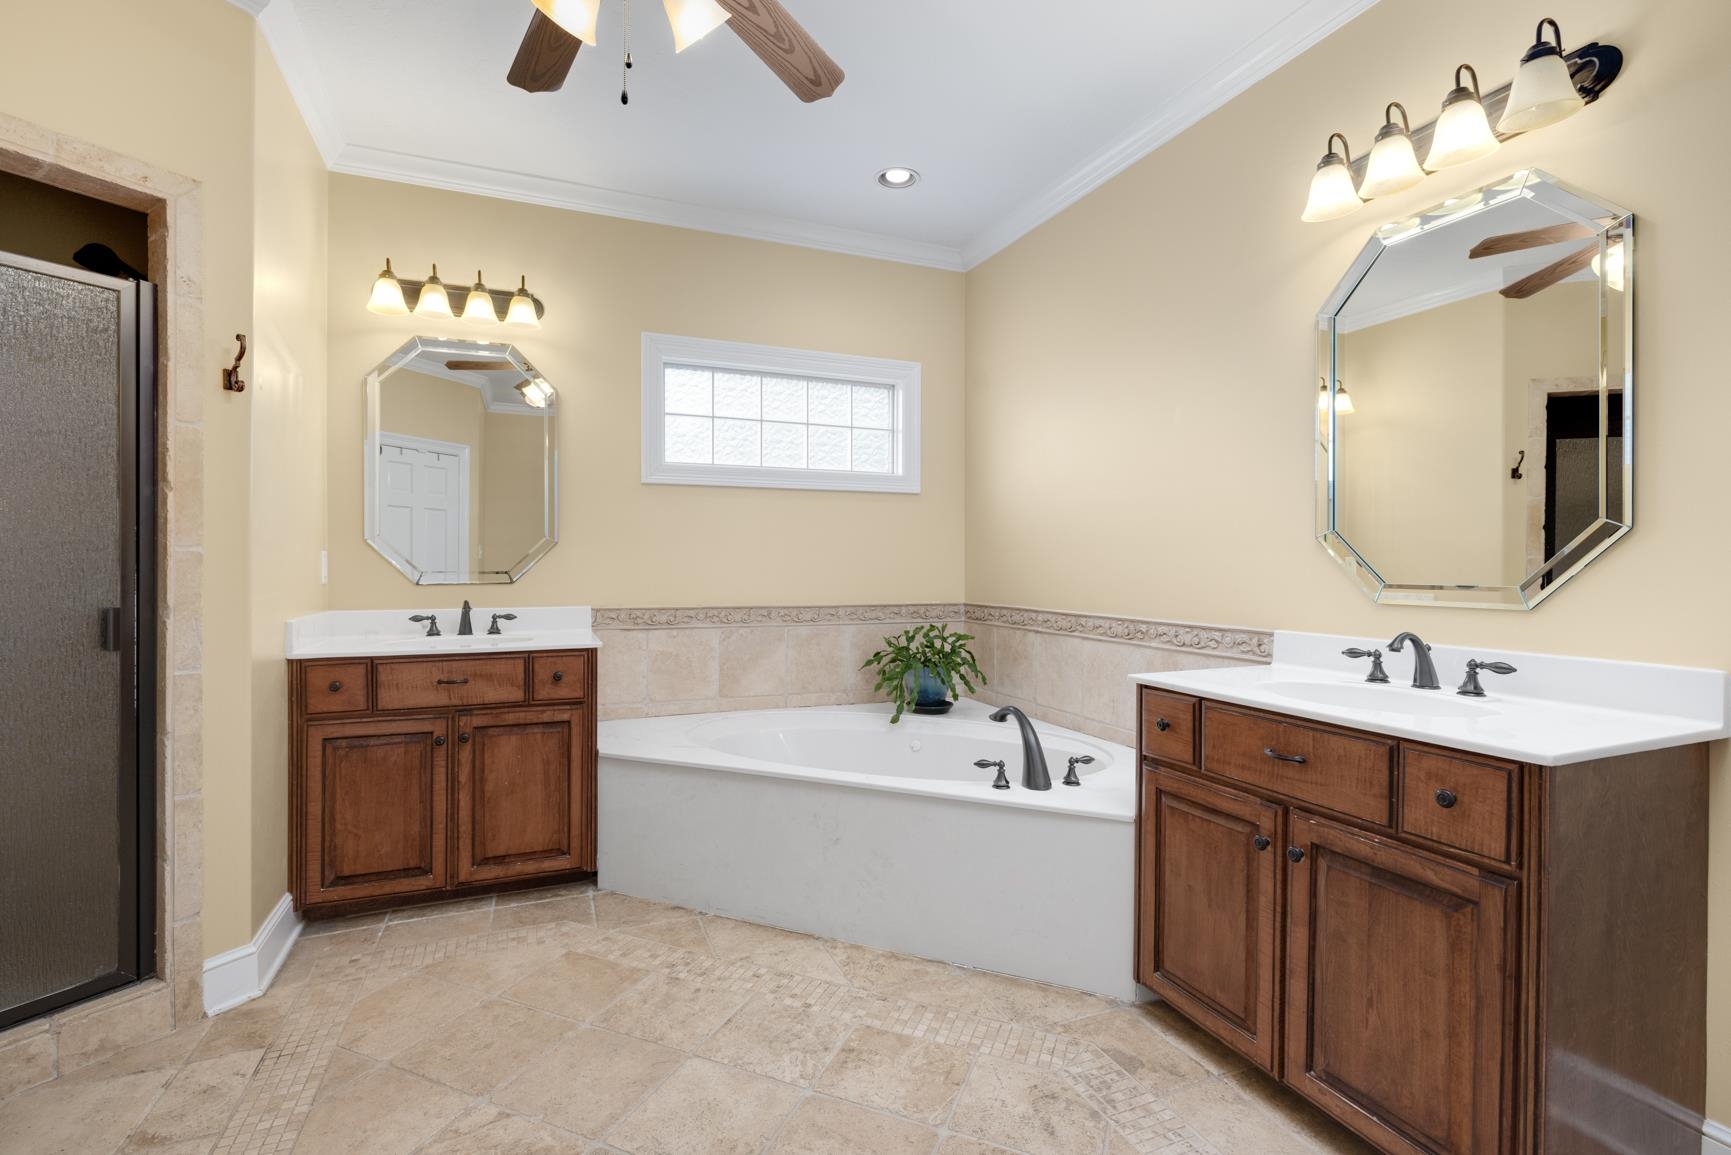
pixel 334 687
pixel 1460 802
pixel 559 677
pixel 1345 773
pixel 424 683
pixel 1169 726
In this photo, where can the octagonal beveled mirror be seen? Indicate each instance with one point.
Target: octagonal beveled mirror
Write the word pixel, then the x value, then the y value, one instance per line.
pixel 1475 402
pixel 462 462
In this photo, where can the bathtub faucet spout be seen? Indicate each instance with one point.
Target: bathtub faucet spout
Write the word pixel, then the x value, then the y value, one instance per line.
pixel 1034 774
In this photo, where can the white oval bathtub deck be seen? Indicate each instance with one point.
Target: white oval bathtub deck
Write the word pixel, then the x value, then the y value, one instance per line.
pixel 831 821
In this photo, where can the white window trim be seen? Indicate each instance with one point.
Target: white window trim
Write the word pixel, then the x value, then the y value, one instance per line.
pixel 903 376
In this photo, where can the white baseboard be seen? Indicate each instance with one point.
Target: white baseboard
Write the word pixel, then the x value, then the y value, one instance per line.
pixel 244 973
pixel 1715 1138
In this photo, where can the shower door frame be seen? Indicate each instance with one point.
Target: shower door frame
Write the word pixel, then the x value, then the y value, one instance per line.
pixel 137 764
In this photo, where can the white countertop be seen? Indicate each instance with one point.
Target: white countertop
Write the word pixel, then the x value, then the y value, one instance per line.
pixel 390 633
pixel 1553 711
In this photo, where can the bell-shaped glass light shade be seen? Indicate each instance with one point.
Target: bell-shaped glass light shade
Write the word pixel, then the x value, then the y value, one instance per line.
pixel 1543 92
pixel 387 295
pixel 522 308
pixel 692 20
pixel 575 16
pixel 536 392
pixel 1342 400
pixel 1463 131
pixel 1393 165
pixel 434 301
pixel 1332 193
pixel 478 305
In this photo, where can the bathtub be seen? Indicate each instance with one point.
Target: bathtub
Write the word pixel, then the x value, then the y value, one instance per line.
pixel 831 821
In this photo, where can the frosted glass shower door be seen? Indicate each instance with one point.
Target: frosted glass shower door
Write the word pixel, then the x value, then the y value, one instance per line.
pixel 76 418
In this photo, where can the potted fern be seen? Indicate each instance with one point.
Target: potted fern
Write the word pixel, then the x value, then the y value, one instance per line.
pixel 920 668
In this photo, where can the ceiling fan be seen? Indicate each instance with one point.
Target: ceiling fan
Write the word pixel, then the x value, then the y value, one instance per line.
pixel 1553 273
pixel 560 27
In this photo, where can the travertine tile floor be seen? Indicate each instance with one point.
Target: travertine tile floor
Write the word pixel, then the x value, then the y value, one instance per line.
pixel 570 1021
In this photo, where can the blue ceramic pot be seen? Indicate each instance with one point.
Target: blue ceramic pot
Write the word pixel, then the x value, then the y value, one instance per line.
pixel 929 689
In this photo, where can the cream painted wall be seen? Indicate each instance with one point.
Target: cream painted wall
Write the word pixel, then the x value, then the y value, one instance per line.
pixel 170 83
pixel 287 396
pixel 605 282
pixel 1151 350
pixel 513 487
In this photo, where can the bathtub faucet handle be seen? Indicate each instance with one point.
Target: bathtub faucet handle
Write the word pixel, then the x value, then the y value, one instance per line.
pixel 1070 779
pixel 1002 781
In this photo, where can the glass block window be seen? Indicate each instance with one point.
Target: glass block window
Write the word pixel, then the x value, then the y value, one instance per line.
pixel 721 413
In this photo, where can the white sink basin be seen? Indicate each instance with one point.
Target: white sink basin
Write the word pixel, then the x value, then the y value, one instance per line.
pixel 390 633
pixel 1382 699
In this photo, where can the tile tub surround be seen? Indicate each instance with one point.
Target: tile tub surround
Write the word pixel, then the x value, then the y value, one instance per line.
pixel 585 1022
pixel 90 1032
pixel 1065 668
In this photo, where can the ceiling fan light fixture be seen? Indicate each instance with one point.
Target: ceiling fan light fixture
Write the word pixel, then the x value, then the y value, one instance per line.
pixel 1611 266
pixel 898 176
pixel 1543 91
pixel 1463 131
pixel 1332 193
pixel 577 17
pixel 434 301
pixel 1393 165
pixel 536 392
pixel 387 298
pixel 692 20
pixel 522 308
pixel 478 305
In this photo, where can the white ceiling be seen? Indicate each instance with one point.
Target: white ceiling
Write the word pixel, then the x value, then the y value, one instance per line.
pixel 1011 109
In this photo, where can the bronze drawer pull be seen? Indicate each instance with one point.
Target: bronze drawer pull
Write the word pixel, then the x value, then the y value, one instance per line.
pixel 558 675
pixel 1298 759
pixel 336 687
pixel 452 682
pixel 1261 842
pixel 1446 799
pixel 1294 854
pixel 1162 725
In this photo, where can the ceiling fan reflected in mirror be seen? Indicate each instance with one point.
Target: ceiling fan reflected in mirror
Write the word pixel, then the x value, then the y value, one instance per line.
pixel 559 28
pixel 1610 268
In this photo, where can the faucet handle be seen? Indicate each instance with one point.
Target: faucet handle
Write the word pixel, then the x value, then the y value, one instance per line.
pixel 1070 779
pixel 432 619
pixel 1002 781
pixel 1470 687
pixel 497 618
pixel 1377 673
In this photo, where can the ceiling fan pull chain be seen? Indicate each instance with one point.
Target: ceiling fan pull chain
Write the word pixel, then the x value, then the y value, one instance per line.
pixel 625 73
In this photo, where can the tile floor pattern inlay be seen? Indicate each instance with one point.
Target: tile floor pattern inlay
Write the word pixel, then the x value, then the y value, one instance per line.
pixel 571 1021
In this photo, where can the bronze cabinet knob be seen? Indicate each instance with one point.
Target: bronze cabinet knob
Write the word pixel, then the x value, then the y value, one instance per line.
pixel 1162 725
pixel 336 687
pixel 1294 854
pixel 438 740
pixel 558 675
pixel 1446 799
pixel 1261 842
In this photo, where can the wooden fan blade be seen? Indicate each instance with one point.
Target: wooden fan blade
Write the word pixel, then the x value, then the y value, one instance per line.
pixel 1556 271
pixel 787 48
pixel 1530 239
pixel 544 57
pixel 478 366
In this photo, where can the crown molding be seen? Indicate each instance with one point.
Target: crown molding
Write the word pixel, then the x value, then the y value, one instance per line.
pixel 1258 58
pixel 457 176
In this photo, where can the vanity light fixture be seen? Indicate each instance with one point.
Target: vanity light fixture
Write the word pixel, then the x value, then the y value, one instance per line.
pixel 898 176
pixel 434 301
pixel 575 16
pixel 692 20
pixel 1393 165
pixel 387 297
pixel 1342 400
pixel 524 310
pixel 1463 131
pixel 1332 192
pixel 536 391
pixel 1543 92
pixel 478 305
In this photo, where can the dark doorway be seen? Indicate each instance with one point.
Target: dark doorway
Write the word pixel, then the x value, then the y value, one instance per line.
pixel 1573 465
pixel 78 650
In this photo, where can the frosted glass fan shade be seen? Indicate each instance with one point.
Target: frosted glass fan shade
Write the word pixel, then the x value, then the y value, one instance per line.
pixel 387 295
pixel 1543 93
pixel 1463 132
pixel 1393 165
pixel 692 20
pixel 1332 193
pixel 575 16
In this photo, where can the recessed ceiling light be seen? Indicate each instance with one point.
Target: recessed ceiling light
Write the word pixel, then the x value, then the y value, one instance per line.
pixel 898 177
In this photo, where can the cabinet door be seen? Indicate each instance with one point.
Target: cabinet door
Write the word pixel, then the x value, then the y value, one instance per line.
pixel 375 808
pixel 522 795
pixel 1208 914
pixel 1400 1004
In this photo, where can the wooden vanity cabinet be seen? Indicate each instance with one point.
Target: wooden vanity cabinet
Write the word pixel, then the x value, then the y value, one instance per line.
pixel 1450 954
pixel 404 786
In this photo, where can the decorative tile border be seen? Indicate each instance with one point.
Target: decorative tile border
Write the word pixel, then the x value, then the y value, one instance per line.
pixel 1248 644
pixel 697 616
